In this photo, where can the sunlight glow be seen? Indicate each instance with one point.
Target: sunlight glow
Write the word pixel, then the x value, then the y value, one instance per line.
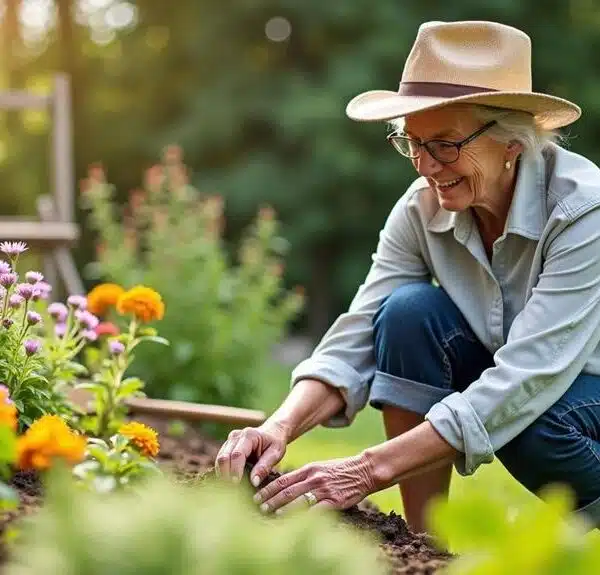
pixel 103 17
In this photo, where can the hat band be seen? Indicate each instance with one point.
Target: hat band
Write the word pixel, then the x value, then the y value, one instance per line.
pixel 439 89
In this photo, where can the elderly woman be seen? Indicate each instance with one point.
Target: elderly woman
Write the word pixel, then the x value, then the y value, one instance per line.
pixel 476 331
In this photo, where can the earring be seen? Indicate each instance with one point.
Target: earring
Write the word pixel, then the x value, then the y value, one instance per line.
pixel 507 165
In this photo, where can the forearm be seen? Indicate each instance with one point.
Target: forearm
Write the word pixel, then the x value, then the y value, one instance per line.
pixel 411 453
pixel 309 403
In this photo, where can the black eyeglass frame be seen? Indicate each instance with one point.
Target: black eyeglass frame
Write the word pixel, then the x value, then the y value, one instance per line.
pixel 458 145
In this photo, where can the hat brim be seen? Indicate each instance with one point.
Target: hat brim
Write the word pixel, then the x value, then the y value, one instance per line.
pixel 550 112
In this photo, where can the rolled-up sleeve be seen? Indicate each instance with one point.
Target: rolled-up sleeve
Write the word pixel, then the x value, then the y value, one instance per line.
pixel 344 358
pixel 547 347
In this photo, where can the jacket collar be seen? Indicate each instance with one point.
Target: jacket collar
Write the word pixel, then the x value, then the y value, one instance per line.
pixel 527 214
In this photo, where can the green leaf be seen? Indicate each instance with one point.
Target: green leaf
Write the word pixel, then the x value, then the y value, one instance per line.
pixel 155 339
pixel 8 444
pixel 129 386
pixel 9 498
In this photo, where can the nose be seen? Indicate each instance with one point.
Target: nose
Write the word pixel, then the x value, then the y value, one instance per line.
pixel 426 164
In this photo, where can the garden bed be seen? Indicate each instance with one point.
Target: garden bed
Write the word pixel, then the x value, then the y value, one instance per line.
pixel 189 456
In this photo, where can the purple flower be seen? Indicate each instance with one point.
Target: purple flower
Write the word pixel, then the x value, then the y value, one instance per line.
pixel 32 346
pixel 15 301
pixel 5 267
pixel 6 391
pixel 13 249
pixel 25 290
pixel 41 290
pixel 78 301
pixel 87 319
pixel 33 317
pixel 90 334
pixel 6 280
pixel 7 322
pixel 58 311
pixel 33 277
pixel 60 329
pixel 116 347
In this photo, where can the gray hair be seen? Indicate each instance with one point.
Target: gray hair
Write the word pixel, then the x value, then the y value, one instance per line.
pixel 510 125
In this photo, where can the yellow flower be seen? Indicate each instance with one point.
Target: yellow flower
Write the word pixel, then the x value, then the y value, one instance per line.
pixel 144 438
pixel 8 411
pixel 143 302
pixel 103 297
pixel 49 438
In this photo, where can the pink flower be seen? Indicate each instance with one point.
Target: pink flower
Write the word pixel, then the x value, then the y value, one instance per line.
pixel 78 301
pixel 6 280
pixel 58 311
pixel 25 291
pixel 5 267
pixel 60 329
pixel 13 249
pixel 116 347
pixel 89 334
pixel 33 277
pixel 15 301
pixel 33 317
pixel 87 319
pixel 32 346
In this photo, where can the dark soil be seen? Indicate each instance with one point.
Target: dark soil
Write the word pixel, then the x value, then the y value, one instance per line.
pixel 190 457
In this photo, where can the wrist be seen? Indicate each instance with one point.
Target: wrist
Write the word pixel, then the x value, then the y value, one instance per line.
pixel 380 467
pixel 279 427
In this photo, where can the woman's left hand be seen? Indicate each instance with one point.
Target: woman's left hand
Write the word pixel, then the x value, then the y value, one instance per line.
pixel 336 484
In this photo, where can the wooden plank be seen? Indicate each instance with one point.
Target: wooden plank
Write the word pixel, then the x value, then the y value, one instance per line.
pixel 62 150
pixel 17 100
pixel 39 234
pixel 196 411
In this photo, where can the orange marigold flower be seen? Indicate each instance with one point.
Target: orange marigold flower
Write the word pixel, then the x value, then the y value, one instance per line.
pixel 143 302
pixel 8 411
pixel 103 297
pixel 47 439
pixel 144 438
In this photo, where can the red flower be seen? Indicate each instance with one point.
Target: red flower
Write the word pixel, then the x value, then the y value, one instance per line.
pixel 106 328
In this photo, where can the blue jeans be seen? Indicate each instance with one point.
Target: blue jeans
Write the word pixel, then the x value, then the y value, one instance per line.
pixel 425 350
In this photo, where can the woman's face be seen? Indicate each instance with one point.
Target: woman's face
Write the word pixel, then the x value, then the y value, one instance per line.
pixel 479 176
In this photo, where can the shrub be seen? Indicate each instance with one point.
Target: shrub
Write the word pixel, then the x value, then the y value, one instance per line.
pixel 224 314
pixel 537 538
pixel 168 528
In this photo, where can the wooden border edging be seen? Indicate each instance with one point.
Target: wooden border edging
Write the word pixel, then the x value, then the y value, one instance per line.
pixel 195 411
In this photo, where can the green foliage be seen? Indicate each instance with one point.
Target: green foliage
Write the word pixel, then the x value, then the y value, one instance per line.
pixel 113 464
pixel 493 538
pixel 222 317
pixel 167 528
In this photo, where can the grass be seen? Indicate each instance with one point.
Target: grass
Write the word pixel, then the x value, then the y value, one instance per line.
pixel 325 443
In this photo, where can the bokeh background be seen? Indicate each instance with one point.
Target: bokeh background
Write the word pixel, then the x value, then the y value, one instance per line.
pixel 253 92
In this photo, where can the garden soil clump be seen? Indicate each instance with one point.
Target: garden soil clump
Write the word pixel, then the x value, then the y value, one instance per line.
pixel 190 457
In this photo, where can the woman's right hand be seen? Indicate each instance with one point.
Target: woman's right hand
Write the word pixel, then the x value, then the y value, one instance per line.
pixel 266 444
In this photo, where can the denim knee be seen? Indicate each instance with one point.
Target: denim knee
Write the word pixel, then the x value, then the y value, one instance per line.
pixel 400 322
pixel 553 450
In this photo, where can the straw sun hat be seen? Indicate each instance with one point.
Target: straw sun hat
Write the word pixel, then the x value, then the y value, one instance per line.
pixel 465 62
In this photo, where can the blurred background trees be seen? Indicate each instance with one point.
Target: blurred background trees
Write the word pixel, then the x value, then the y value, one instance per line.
pixel 254 91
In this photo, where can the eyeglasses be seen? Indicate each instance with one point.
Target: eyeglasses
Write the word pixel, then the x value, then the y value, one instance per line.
pixel 443 151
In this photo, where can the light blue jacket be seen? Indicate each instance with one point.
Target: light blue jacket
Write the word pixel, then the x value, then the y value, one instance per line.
pixel 536 306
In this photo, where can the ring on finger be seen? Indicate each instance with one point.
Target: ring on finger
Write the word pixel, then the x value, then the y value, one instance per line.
pixel 311 498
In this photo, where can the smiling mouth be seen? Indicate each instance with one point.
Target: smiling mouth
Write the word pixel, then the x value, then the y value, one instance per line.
pixel 445 186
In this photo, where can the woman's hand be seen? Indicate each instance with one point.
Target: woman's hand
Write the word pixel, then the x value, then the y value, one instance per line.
pixel 337 484
pixel 267 443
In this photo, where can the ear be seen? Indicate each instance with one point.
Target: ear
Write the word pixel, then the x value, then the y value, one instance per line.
pixel 514 149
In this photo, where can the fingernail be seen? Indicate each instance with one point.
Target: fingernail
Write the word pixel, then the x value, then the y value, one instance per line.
pixel 279 512
pixel 256 480
pixel 264 508
pixel 257 498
